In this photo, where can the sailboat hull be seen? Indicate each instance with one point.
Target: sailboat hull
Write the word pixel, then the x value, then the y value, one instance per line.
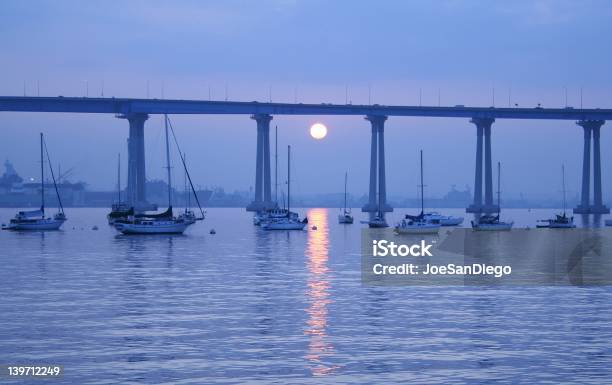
pixel 156 227
pixel 561 225
pixel 283 225
pixel 345 219
pixel 418 229
pixel 500 226
pixel 46 224
pixel 377 224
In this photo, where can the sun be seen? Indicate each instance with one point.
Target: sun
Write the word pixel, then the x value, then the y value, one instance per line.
pixel 318 131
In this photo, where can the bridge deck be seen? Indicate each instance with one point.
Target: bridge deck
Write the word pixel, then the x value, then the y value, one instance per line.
pixel 161 106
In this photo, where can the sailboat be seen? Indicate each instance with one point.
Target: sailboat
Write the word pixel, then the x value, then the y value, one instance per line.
pixel 488 222
pixel 561 221
pixel 345 217
pixel 418 224
pixel 36 220
pixel 275 212
pixel 378 222
pixel 188 215
pixel 119 210
pixel 289 221
pixel 162 223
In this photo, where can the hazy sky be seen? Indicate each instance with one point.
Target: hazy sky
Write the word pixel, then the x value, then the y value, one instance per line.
pixel 312 50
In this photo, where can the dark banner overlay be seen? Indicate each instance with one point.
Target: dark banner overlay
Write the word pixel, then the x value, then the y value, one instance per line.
pixel 580 257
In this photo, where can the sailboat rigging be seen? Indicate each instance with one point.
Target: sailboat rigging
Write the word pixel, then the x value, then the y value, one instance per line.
pixel 418 224
pixel 345 217
pixel 165 222
pixel 560 221
pixel 36 220
pixel 119 210
pixel 290 221
pixel 490 222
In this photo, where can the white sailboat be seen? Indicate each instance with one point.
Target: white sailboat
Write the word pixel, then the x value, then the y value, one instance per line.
pixel 490 222
pixel 444 220
pixel 275 212
pixel 163 223
pixel 289 221
pixel 345 216
pixel 418 224
pixel 561 221
pixel 35 220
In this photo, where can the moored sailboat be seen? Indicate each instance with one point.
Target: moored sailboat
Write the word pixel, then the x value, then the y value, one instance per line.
pixel 119 209
pixel 345 216
pixel 289 221
pixel 560 221
pixel 162 223
pixel 36 220
pixel 418 224
pixel 490 222
pixel 444 220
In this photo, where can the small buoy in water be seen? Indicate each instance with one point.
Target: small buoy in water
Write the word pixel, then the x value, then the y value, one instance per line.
pixel 212 231
pixel 314 227
pixel 95 228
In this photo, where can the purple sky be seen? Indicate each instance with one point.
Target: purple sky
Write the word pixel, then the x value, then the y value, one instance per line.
pixel 315 50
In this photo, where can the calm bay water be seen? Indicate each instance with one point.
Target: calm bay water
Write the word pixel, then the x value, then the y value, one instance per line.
pixel 246 305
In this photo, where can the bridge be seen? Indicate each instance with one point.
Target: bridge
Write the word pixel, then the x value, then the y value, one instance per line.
pixel 136 112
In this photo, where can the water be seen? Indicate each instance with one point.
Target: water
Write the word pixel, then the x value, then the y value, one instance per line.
pixel 246 305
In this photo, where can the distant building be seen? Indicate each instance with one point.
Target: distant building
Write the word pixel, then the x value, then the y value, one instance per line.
pixel 10 182
pixel 15 193
pixel 457 198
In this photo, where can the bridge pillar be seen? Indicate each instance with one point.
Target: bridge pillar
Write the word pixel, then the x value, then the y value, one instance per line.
pixel 592 129
pixel 377 202
pixel 136 186
pixel 483 128
pixel 263 188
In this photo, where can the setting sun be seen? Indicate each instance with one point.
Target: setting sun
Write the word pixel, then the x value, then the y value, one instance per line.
pixel 318 131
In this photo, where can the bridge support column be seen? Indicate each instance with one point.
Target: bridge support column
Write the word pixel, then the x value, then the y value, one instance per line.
pixel 136 186
pixel 263 196
pixel 377 202
pixel 483 128
pixel 592 129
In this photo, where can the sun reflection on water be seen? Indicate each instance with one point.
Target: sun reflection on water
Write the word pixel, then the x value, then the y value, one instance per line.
pixel 320 349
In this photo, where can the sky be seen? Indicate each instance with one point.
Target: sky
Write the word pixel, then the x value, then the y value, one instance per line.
pixel 475 53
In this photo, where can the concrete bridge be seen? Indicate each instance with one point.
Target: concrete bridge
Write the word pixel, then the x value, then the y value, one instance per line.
pixel 136 112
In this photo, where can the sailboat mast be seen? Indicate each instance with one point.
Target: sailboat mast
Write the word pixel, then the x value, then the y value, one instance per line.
pixel 498 188
pixel 422 187
pixel 288 181
pixel 276 165
pixel 345 182
pixel 563 182
pixel 119 177
pixel 168 162
pixel 187 194
pixel 42 176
